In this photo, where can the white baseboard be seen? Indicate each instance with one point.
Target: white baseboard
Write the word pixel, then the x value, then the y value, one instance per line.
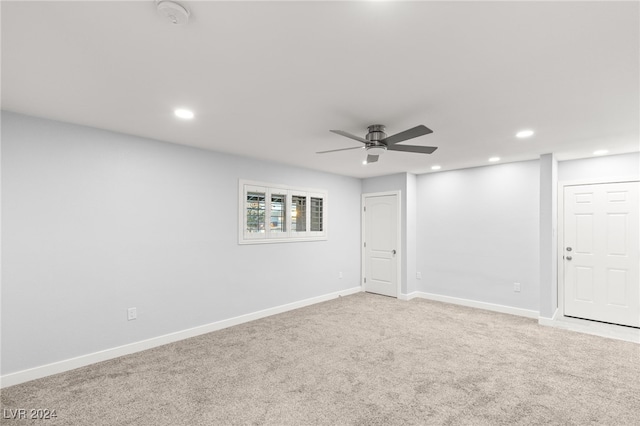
pixel 611 331
pixel 92 358
pixel 408 296
pixel 548 321
pixel 473 304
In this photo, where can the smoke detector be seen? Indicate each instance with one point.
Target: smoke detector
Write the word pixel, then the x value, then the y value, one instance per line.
pixel 174 12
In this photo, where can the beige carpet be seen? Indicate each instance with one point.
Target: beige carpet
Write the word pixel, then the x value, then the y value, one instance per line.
pixel 362 360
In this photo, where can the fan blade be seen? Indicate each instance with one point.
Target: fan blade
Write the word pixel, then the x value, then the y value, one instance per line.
pixel 412 148
pixel 343 149
pixel 406 135
pixel 349 135
pixel 372 158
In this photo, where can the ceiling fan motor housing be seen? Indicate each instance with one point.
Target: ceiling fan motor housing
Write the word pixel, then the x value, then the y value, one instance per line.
pixel 376 133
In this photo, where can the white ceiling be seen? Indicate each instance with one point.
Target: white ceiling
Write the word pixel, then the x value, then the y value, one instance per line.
pixel 269 79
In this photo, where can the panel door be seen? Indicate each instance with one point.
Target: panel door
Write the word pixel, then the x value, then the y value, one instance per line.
pixel 381 233
pixel 600 254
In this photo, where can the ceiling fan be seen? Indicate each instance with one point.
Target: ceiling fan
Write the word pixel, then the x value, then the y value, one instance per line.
pixel 376 141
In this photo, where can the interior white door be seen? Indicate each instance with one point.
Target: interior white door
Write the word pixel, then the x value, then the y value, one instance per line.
pixel 380 245
pixel 600 254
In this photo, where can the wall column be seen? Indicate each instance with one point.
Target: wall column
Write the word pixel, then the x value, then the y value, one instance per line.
pixel 548 235
pixel 410 231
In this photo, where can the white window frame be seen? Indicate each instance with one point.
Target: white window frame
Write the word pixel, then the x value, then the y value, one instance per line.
pixel 269 236
pixel 260 189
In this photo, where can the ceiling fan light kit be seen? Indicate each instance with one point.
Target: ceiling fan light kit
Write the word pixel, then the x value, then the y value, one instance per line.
pixel 376 141
pixel 376 150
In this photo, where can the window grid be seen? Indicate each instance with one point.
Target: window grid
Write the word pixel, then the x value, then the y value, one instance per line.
pixel 256 210
pixel 278 217
pixel 274 213
pixel 316 214
pixel 298 213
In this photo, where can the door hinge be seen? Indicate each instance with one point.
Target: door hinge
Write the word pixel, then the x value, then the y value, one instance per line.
pixel 365 243
pixel 365 280
pixel 365 209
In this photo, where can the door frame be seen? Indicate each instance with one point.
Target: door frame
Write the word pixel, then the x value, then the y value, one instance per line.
pixel 399 250
pixel 560 237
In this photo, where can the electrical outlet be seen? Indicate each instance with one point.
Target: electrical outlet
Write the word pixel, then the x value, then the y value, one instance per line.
pixel 132 314
pixel 516 287
pixel 340 275
pixel 418 275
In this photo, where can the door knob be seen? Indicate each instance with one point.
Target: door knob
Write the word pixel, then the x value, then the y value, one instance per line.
pixel 393 251
pixel 569 249
pixel 569 257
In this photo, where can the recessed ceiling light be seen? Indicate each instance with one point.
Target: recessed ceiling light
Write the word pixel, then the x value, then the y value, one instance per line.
pixel 436 167
pixel 183 113
pixel 494 159
pixel 601 152
pixel 524 133
pixel 364 162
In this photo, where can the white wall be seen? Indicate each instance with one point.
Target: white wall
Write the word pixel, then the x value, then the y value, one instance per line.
pixel 405 183
pixel 95 222
pixel 478 234
pixel 607 167
pixel 411 248
pixel 396 182
pixel 594 169
pixel 548 235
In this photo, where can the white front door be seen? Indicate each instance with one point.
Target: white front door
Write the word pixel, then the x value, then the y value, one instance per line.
pixel 381 244
pixel 600 254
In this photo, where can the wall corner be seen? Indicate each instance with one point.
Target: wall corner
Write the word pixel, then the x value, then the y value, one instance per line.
pixel 548 235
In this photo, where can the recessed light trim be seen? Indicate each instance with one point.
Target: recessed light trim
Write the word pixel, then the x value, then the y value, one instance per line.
pixel 494 159
pixel 183 113
pixel 601 152
pixel 524 133
pixel 436 167
pixel 364 162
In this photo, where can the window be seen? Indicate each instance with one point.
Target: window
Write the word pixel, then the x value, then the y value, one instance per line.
pixel 316 214
pixel 276 213
pixel 278 218
pixel 298 213
pixel 256 209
